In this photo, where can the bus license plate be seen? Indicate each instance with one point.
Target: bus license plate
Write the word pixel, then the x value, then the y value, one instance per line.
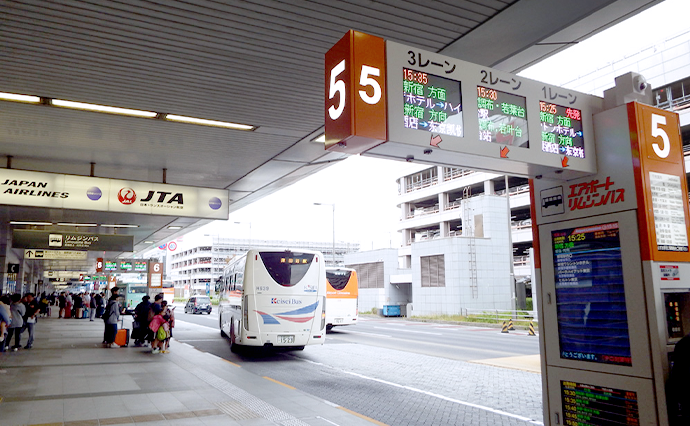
pixel 286 339
pixel 338 321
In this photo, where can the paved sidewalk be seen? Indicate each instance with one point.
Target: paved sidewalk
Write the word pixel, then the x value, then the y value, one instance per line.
pixel 69 379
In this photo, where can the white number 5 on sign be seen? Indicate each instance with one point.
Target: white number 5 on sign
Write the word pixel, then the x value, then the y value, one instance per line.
pixel 665 148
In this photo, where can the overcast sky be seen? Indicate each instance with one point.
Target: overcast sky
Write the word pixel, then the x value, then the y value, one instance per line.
pixel 364 190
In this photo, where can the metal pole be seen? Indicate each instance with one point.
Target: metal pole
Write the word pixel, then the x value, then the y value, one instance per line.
pixel 334 262
pixel 510 246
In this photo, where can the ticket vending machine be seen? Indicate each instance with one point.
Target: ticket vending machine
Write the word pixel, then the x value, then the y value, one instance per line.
pixel 614 273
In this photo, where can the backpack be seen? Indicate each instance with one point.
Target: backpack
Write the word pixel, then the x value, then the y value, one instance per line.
pixel 108 311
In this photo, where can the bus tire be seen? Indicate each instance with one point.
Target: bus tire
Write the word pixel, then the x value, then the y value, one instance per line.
pixel 233 346
pixel 329 327
pixel 220 324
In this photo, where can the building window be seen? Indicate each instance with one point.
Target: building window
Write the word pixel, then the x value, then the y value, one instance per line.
pixel 433 271
pixel 370 275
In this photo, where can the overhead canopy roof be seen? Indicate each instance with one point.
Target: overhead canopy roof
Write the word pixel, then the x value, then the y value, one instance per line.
pixel 253 62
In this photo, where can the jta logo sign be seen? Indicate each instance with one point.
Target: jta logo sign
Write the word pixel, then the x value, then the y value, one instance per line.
pixel 127 196
pixel 163 196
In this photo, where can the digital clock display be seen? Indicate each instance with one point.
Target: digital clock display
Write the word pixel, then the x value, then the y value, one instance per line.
pixel 502 117
pixel 590 295
pixel 561 130
pixel 432 103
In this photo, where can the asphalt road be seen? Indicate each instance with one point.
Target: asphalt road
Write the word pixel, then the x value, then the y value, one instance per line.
pixel 396 372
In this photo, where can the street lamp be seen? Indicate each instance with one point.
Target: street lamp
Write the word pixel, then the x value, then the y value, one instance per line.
pixel 333 207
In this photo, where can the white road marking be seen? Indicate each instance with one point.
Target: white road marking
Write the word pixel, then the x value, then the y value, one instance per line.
pixel 198 325
pixel 326 420
pixel 435 395
pixel 365 333
pixel 410 331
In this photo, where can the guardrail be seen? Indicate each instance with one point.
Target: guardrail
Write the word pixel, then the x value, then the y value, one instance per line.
pixel 498 316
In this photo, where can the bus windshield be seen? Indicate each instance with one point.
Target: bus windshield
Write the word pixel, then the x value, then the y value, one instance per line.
pixel 286 268
pixel 338 278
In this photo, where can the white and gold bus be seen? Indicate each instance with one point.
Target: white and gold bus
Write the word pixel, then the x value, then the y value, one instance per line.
pixel 274 298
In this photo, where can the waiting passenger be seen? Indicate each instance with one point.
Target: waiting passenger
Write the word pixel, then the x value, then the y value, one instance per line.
pixel 141 316
pixel 111 316
pixel 160 328
pixel 17 309
pixel 30 316
pixel 169 316
pixel 5 318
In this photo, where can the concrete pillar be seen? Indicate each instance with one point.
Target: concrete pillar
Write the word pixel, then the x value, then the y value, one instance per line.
pixel 489 187
pixel 444 227
pixel 5 244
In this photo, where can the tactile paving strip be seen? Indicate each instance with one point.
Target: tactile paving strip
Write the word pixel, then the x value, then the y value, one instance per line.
pixel 236 411
pixel 249 401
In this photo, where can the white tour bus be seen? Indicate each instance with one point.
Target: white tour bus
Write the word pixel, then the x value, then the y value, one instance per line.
pixel 274 298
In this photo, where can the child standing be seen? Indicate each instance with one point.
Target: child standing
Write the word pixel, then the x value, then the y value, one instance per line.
pixel 160 329
pixel 169 316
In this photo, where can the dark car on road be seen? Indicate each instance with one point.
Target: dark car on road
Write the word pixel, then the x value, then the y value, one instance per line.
pixel 198 304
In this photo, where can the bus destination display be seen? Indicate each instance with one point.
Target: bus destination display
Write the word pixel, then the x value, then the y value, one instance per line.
pixel 590 295
pixel 141 266
pixel 561 130
pixel 589 405
pixel 432 103
pixel 502 117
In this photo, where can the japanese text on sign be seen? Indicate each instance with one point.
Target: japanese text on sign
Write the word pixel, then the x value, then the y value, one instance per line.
pixel 590 296
pixel 669 217
pixel 585 405
pixel 432 103
pixel 585 195
pixel 502 117
pixel 561 130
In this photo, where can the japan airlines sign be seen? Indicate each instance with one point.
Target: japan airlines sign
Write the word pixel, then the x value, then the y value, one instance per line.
pixel 26 188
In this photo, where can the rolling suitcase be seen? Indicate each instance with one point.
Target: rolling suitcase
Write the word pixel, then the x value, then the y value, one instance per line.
pixel 122 336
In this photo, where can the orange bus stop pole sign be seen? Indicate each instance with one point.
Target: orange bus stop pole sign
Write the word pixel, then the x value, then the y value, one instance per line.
pixel 355 112
pixel 662 193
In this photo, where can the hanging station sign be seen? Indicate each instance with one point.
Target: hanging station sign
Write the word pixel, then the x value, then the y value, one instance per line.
pixel 31 239
pixel 27 188
pixel 441 110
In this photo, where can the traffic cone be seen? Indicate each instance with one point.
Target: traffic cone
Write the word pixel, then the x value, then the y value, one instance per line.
pixel 531 329
pixel 510 325
pixel 504 329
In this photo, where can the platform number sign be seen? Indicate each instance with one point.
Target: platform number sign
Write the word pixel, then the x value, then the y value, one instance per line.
pixel 155 275
pixel 355 92
pixel 99 264
pixel 663 149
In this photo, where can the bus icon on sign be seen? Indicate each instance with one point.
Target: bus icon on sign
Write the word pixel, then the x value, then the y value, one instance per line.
pixel 55 240
pixel 552 201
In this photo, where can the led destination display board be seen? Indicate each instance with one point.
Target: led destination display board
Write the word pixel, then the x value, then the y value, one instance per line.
pixel 589 405
pixel 432 103
pixel 590 295
pixel 502 117
pixel 110 265
pixel 561 130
